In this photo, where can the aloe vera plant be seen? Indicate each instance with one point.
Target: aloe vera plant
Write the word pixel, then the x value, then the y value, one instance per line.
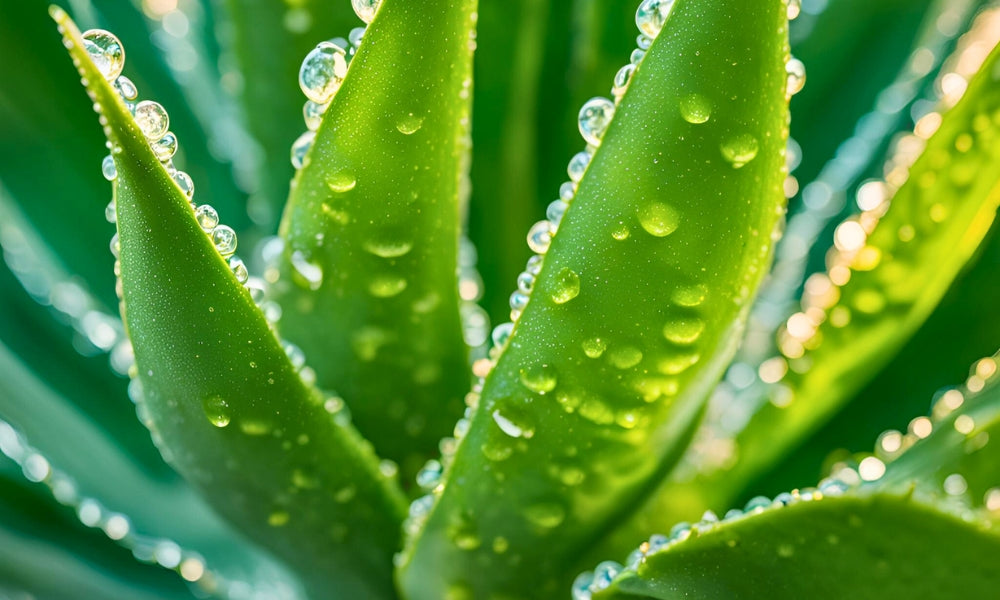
pixel 710 380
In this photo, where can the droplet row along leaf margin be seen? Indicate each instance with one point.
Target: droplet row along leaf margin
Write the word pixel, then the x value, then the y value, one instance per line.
pixel 672 221
pixel 223 397
pixel 371 231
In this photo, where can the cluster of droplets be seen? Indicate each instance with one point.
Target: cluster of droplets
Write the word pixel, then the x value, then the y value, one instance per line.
pixel 321 74
pixel 755 377
pixel 590 582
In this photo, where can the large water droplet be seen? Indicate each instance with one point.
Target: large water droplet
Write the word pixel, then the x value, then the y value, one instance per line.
pixel 184 181
pixel 594 118
pixel 165 147
pixel 796 76
pixel 208 218
pixel 651 16
pixel 540 237
pixel 540 378
pixel 658 219
pixel 108 168
pixel 684 331
pixel 594 347
pixel 366 9
pixel 224 239
pixel 217 411
pixel 625 357
pixel 696 109
pixel 106 52
pixel 690 295
pixel 152 119
pixel 322 71
pixel 409 124
pixel 740 149
pixel 565 286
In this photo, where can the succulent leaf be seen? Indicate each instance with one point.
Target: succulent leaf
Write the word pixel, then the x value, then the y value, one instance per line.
pixel 371 232
pixel 671 222
pixel 226 403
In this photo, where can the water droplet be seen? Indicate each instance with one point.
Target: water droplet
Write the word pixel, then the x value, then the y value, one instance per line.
pixel 594 347
pixel 594 118
pixel 555 212
pixel 366 9
pixel 108 168
pixel 567 191
pixel 496 450
pixel 636 57
pixel 239 269
pixel 794 8
pixel 208 218
pixel 310 271
pixel 539 237
pixel 518 301
pixel 740 149
pixel 545 514
pixel 690 295
pixel 217 411
pixel 184 181
pixel 501 333
pixel 341 182
pixel 110 214
pixel 658 219
pixel 540 378
pixel 514 424
pixel 323 70
pixel 409 124
pixel 224 239
pixel 525 282
pixel 696 109
pixel 578 165
pixel 622 80
pixel 796 76
pixel 312 114
pixel 300 147
pixel 387 248
pixel 430 475
pixel 152 119
pixel 651 16
pixel 566 286
pixel 106 52
pixel 621 232
pixel 684 331
pixel 165 147
pixel 625 357
pixel 387 286
pixel 126 89
pixel 255 427
pixel 278 518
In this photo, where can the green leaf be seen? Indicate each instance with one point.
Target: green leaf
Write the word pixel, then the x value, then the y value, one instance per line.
pixel 861 545
pixel 934 224
pixel 267 40
pixel 229 409
pixel 368 283
pixel 664 226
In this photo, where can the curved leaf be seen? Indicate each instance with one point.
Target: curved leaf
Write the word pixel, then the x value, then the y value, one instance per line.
pixel 855 546
pixel 368 276
pixel 229 409
pixel 664 227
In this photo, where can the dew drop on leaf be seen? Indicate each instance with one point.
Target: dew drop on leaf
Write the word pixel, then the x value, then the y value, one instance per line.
pixel 566 286
pixel 217 411
pixel 594 118
pixel 658 219
pixel 684 331
pixel 165 147
pixel 152 119
pixel 545 514
pixel 224 239
pixel 540 378
pixel 796 76
pixel 366 9
pixel 409 124
pixel 387 286
pixel 322 71
pixel 696 109
pixel 594 347
pixel 651 16
pixel 207 217
pixel 740 149
pixel 341 182
pixel 106 52
pixel 108 168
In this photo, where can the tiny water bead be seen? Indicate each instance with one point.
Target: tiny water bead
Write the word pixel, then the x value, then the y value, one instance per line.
pixel 217 411
pixel 366 9
pixel 566 286
pixel 658 219
pixel 651 15
pixel 152 119
pixel 696 109
pixel 322 71
pixel 108 168
pixel 301 147
pixel 165 147
pixel 224 239
pixel 796 72
pixel 594 118
pixel 740 149
pixel 106 51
